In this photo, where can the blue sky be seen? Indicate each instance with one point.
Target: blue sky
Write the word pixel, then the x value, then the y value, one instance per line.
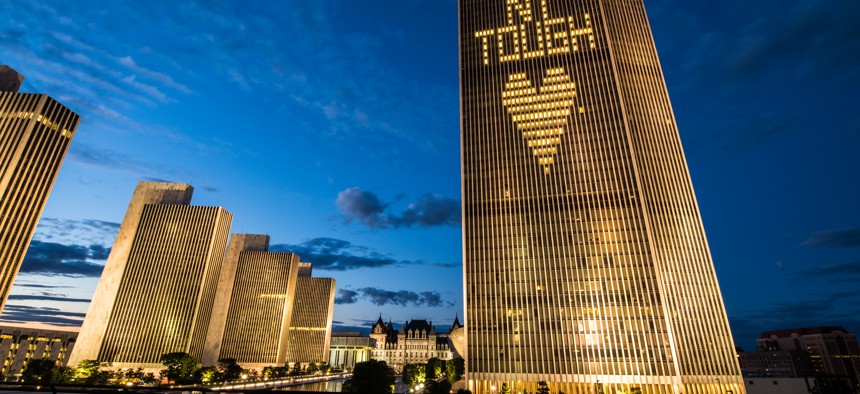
pixel 333 127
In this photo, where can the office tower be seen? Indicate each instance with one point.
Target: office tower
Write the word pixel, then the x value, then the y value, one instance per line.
pixel 256 295
pixel 35 132
pixel 310 326
pixel 585 259
pixel 156 292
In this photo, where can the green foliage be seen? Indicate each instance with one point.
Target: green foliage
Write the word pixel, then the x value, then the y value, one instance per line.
pixel 635 390
pixel 296 370
pixel 455 369
pixel 542 388
pixel 434 368
pixel 227 370
pixel 62 375
pixel 414 374
pixel 438 387
pixel 371 377
pixel 180 367
pixel 38 371
pixel 505 389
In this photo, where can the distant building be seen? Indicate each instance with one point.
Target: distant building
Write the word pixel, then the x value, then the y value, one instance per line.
pixel 271 313
pixel 22 344
pixel 414 343
pixel 833 351
pixel 348 348
pixel 35 133
pixel 310 326
pixel 255 294
pixel 156 292
pixel 775 364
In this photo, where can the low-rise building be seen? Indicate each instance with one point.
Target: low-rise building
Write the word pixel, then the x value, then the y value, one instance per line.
pixel 348 348
pixel 22 344
pixel 414 343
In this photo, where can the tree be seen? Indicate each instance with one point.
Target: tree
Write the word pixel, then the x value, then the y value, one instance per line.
pixel 228 369
pixel 414 374
pixel 372 377
pixel 455 369
pixel 542 388
pixel 38 371
pixel 62 375
pixel 434 368
pixel 296 370
pixel 180 367
pixel 505 389
pixel 437 387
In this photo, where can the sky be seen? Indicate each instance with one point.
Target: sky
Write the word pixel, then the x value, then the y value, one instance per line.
pixel 333 126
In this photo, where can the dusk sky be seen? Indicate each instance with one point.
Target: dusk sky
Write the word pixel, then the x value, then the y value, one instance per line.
pixel 333 126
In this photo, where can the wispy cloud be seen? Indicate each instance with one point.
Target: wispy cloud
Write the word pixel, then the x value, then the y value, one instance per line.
pixel 29 314
pixel 383 297
pixel 330 254
pixel 841 238
pixel 429 210
pixel 29 297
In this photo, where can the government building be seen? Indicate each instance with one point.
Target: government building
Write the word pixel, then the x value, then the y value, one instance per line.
pixel 415 342
pixel 585 258
pixel 35 133
pixel 172 283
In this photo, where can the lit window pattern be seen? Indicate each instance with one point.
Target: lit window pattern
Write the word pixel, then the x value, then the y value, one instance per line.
pixel 35 132
pixel 165 296
pixel 585 259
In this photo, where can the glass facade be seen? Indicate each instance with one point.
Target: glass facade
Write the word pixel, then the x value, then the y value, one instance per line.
pixel 585 259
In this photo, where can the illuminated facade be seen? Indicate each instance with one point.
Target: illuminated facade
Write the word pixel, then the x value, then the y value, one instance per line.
pixel 414 343
pixel 156 292
pixel 255 296
pixel 21 344
pixel 313 315
pixel 272 312
pixel 35 132
pixel 585 259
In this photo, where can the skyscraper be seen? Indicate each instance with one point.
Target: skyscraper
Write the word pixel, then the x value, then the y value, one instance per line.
pixel 156 292
pixel 310 326
pixel 255 298
pixel 585 259
pixel 35 132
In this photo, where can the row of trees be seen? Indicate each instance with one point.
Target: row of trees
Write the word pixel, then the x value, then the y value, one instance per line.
pixel 435 369
pixel 376 377
pixel 179 368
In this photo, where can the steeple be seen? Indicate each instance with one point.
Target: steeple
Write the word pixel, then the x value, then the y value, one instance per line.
pixel 456 324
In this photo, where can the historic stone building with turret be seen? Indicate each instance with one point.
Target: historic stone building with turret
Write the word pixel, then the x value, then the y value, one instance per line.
pixel 414 343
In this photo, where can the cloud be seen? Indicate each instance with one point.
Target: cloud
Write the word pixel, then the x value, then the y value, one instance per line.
pixel 54 259
pixel 330 254
pixel 837 272
pixel 28 297
pixel 838 308
pixel 430 210
pixel 841 238
pixel 345 296
pixel 29 314
pixel 357 204
pixel 381 297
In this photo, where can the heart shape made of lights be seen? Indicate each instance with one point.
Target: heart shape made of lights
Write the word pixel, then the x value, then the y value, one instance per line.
pixel 542 116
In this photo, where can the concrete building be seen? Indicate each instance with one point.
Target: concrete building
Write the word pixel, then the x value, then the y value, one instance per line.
pixel 775 364
pixel 833 351
pixel 270 315
pixel 21 344
pixel 35 133
pixel 255 295
pixel 585 259
pixel 348 348
pixel 313 315
pixel 414 343
pixel 156 292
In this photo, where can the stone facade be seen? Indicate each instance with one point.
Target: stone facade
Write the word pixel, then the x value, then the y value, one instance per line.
pixel 414 343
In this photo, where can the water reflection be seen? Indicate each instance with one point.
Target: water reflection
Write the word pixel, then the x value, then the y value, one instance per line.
pixel 331 386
